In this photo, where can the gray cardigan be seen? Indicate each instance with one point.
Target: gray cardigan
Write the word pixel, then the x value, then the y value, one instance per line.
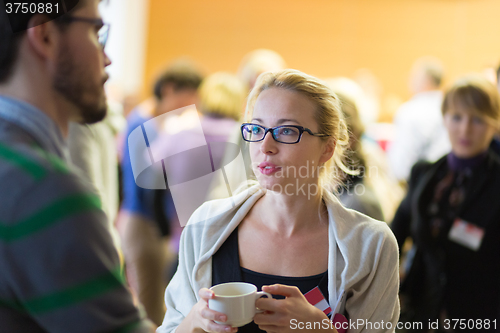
pixel 363 261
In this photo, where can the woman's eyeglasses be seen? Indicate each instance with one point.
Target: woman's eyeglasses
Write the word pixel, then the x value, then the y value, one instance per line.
pixel 288 134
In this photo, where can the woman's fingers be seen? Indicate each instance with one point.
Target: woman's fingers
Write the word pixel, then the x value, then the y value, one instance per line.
pixel 214 327
pixel 207 317
pixel 213 315
pixel 266 319
pixel 269 304
pixel 206 294
pixel 283 290
pixel 274 319
pixel 210 316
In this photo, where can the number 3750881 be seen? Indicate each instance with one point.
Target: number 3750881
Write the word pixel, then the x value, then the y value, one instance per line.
pixel 471 324
pixel 31 8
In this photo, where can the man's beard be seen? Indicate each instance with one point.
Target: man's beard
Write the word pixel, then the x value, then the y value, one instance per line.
pixel 74 83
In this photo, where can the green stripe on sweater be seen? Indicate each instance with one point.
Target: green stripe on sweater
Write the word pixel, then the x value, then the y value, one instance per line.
pixel 82 292
pixel 70 296
pixel 129 327
pixel 49 215
pixel 55 161
pixel 21 161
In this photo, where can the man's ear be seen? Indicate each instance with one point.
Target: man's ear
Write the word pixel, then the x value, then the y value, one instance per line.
pixel 43 37
pixel 328 150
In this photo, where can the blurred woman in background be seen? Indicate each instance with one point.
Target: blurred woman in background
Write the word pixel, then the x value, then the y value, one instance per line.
pixel 356 191
pixel 452 214
pixel 375 191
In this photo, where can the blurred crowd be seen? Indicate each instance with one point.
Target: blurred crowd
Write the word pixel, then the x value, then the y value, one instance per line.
pixel 99 193
pixel 154 165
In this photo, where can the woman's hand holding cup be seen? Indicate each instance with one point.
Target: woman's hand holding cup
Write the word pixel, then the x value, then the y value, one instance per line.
pixel 237 301
pixel 203 318
pixel 278 313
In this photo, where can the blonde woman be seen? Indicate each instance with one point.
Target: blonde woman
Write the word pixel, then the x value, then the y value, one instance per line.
pixel 288 234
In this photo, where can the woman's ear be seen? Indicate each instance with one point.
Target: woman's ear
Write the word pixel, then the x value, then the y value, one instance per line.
pixel 328 150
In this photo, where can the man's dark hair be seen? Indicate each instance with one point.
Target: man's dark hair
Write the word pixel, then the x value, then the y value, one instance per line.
pixel 182 74
pixel 13 29
pixel 9 45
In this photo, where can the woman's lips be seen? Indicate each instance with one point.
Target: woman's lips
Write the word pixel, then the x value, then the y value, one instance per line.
pixel 267 168
pixel 464 142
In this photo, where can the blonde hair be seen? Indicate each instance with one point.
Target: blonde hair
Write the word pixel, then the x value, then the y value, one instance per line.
pixel 477 94
pixel 355 128
pixel 222 94
pixel 328 116
pixel 257 62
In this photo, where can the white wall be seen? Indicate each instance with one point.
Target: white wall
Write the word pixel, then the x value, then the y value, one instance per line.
pixel 126 45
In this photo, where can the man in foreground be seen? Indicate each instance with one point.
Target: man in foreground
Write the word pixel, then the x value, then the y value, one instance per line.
pixel 59 270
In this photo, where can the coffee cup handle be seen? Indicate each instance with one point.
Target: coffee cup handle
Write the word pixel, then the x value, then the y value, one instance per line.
pixel 259 295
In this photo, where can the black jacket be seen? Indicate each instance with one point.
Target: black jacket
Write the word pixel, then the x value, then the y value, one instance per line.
pixel 473 290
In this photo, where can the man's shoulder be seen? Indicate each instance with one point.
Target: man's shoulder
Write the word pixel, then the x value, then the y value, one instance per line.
pixel 136 118
pixel 427 102
pixel 29 161
pixel 33 180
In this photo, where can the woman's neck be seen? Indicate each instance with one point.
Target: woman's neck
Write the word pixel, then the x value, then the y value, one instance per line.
pixel 291 214
pixel 459 164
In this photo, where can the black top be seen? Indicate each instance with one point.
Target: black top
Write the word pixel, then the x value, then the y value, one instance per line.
pixel 453 277
pixel 226 268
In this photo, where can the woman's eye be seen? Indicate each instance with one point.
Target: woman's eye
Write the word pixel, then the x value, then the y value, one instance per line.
pixel 287 131
pixel 456 117
pixel 256 130
pixel 478 120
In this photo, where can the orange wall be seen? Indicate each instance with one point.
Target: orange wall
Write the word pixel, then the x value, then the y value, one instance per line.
pixel 327 37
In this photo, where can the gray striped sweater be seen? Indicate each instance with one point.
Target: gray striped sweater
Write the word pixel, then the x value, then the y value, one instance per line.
pixel 59 270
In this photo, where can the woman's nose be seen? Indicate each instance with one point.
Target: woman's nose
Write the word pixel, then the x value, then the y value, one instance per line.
pixel 465 126
pixel 269 145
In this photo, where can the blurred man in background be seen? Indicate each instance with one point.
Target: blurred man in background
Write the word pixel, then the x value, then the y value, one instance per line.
pixel 94 152
pixel 419 129
pixel 145 240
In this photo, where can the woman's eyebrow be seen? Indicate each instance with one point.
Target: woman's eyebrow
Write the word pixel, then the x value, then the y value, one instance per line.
pixel 280 121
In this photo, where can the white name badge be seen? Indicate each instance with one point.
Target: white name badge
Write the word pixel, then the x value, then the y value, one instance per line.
pixel 466 234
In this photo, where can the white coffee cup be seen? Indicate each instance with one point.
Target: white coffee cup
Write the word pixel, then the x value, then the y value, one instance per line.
pixel 237 301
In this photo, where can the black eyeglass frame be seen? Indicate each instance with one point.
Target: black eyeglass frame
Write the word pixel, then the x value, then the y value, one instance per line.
pixel 95 21
pixel 272 129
